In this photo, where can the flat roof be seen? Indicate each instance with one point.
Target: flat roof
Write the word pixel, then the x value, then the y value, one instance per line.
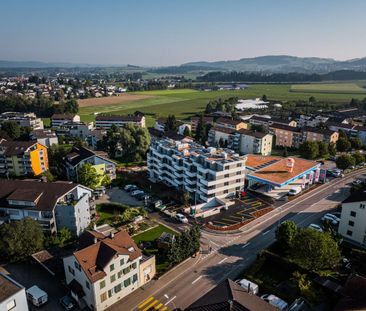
pixel 278 173
pixel 255 161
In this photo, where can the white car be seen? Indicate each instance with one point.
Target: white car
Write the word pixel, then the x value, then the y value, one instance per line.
pixel 275 301
pixel 128 187
pixel 315 227
pixel 249 286
pixel 336 218
pixel 136 192
pixel 180 217
pixel 294 191
pixel 329 218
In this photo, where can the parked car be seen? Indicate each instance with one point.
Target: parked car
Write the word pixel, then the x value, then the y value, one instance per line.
pixel 67 303
pixel 249 286
pixel 132 188
pixel 315 227
pixel 129 187
pixel 357 182
pixel 136 192
pixel 36 296
pixel 294 191
pixel 329 218
pixel 275 301
pixel 181 218
pixel 336 218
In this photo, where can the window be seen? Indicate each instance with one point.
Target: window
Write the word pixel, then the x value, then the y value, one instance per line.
pixel 77 266
pixel 102 284
pixel 118 288
pixel 134 278
pixel 111 267
pixel 110 293
pixel 226 184
pixel 103 297
pixel 353 214
pixel 351 223
pixel 238 165
pixel 349 232
pixel 126 270
pixel 238 173
pixel 119 274
pixel 11 305
pixel 87 284
pixel 127 282
pixel 113 278
pixel 134 265
pixel 71 270
pixel 362 206
pixel 226 175
pixel 238 180
pixel 122 262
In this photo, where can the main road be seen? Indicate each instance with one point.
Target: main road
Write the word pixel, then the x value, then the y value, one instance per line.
pixel 231 254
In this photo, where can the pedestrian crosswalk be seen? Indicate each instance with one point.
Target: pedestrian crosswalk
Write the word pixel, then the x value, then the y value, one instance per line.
pixel 152 304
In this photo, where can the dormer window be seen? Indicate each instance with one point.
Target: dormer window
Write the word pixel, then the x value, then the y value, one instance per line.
pixel 131 249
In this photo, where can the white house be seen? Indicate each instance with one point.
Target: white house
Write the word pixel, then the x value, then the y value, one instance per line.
pixel 45 137
pixel 59 119
pixel 353 218
pixel 12 295
pixel 107 268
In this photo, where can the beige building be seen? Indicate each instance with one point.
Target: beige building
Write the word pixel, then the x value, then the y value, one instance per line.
pixel 205 120
pixel 221 136
pixel 285 135
pixel 316 134
pixel 231 124
pixel 253 142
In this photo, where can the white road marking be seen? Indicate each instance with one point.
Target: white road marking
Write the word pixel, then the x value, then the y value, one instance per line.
pixel 268 231
pixel 245 245
pixel 197 279
pixel 212 242
pixel 221 261
pixel 168 302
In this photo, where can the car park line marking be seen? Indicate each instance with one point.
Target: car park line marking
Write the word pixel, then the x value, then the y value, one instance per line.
pixel 268 231
pixel 151 305
pixel 212 242
pixel 146 302
pixel 221 261
pixel 230 220
pixel 245 245
pixel 219 222
pixel 165 308
pixel 195 280
pixel 158 306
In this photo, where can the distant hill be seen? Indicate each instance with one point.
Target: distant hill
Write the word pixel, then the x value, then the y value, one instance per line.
pixel 283 64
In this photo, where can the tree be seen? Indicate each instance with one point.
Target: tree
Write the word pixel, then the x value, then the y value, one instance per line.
pixel 332 149
pixel 88 176
pixel 314 250
pixel 12 129
pixel 49 176
pixel 264 97
pixel 359 157
pixel 171 123
pixel 345 161
pixel 342 134
pixel 285 152
pixel 312 100
pixel 209 108
pixel 286 233
pixel 323 148
pixel 20 239
pixel 185 198
pixel 62 238
pixel 343 144
pixel 356 143
pixel 309 150
pixel 201 131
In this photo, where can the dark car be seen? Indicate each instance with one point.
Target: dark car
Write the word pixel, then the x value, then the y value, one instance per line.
pixel 67 303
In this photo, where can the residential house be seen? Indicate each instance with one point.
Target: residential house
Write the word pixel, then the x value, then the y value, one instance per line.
pixel 106 121
pixel 45 137
pixel 107 269
pixel 253 142
pixel 231 124
pixel 348 129
pixel 99 160
pixel 160 124
pixel 205 120
pixel 312 121
pixel 285 135
pixel 59 119
pixel 23 119
pixel 266 122
pixel 221 136
pixel 75 129
pixel 352 225
pixel 21 158
pixel 12 295
pixel 54 205
pixel 229 296
pixel 361 133
pixel 317 134
pixel 205 173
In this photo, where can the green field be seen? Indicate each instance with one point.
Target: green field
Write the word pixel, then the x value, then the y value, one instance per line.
pixel 339 88
pixel 185 103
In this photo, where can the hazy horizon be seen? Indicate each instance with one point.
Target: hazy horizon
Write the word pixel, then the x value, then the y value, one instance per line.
pixel 163 32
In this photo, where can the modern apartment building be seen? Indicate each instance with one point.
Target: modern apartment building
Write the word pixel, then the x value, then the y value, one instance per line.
pixel 53 205
pixel 285 135
pixel 59 119
pixel 12 295
pixel 20 158
pixel 26 119
pixel 253 142
pixel 221 136
pixel 109 267
pixel 203 172
pixel 353 218
pixel 45 137
pixel 316 134
pixel 106 121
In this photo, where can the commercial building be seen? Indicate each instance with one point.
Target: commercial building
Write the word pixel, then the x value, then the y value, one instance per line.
pixel 317 134
pixel 205 173
pixel 352 225
pixel 59 119
pixel 24 119
pixel 109 267
pixel 45 137
pixel 12 295
pixel 106 121
pixel 285 135
pixel 54 205
pixel 99 160
pixel 20 158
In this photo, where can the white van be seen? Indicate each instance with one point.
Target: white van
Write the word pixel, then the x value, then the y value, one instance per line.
pixel 275 301
pixel 36 296
pixel 294 191
pixel 249 286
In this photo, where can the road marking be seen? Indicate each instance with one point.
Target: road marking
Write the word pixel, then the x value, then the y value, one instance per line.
pixel 221 261
pixel 146 302
pixel 151 305
pixel 158 306
pixel 196 280
pixel 168 302
pixel 164 309
pixel 212 242
pixel 245 245
pixel 268 231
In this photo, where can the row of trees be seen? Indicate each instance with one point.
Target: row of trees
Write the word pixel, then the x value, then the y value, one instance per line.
pixel 346 161
pixel 185 245
pixel 12 130
pixel 226 105
pixel 316 149
pixel 89 177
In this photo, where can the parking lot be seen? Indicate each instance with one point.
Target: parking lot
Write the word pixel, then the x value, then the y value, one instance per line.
pixel 240 211
pixel 118 195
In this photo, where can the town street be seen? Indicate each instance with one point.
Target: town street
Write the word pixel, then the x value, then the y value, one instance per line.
pixel 232 253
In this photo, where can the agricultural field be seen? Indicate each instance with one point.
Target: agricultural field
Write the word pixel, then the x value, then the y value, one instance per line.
pixel 339 88
pixel 111 100
pixel 185 103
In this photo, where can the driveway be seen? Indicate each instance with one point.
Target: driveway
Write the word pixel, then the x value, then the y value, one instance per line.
pixel 118 195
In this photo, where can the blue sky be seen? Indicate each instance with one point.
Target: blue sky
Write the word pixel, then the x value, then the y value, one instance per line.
pixel 166 32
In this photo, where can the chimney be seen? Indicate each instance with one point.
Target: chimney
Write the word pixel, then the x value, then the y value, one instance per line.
pixel 111 235
pixel 95 240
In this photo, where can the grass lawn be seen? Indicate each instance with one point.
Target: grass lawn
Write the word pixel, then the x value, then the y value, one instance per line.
pixel 152 234
pixel 342 88
pixel 107 211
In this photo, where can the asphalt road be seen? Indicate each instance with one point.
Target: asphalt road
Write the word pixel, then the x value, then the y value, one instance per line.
pixel 232 253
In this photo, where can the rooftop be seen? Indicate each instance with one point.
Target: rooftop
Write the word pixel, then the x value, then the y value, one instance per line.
pixel 8 287
pixel 284 127
pixel 15 147
pixel 229 121
pixel 63 116
pixel 223 130
pixel 318 130
pixel 255 134
pixel 79 154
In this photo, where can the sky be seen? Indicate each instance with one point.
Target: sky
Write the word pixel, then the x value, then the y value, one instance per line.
pixel 172 32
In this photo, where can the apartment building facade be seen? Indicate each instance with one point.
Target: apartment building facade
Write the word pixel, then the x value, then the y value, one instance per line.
pixel 12 295
pixel 285 135
pixel 267 121
pixel 107 121
pixel 205 173
pixel 231 124
pixel 59 119
pixel 53 205
pixel 75 129
pixel 45 137
pixel 252 142
pixel 20 158
pixel 23 119
pixel 205 120
pixel 108 268
pixel 221 136
pixel 352 225
pixel 315 134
